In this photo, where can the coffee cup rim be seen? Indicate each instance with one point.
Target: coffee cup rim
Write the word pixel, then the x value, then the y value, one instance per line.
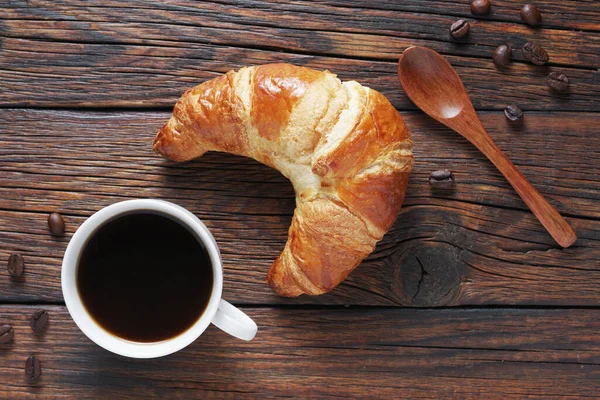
pixel 97 333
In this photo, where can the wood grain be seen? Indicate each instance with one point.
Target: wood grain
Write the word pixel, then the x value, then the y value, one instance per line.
pixel 581 15
pixel 556 14
pixel 351 28
pixel 478 244
pixel 73 54
pixel 351 353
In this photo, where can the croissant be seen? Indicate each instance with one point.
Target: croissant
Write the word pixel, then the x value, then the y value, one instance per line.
pixel 343 146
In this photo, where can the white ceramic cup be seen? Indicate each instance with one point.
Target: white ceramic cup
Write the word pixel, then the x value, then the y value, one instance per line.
pixel 218 311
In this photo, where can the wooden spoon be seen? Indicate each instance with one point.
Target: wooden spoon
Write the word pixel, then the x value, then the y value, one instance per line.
pixel 435 87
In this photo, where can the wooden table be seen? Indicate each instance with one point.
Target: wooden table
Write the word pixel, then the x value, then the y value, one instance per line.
pixel 466 297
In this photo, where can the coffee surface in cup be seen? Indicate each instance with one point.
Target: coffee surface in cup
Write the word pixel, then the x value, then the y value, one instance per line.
pixel 144 277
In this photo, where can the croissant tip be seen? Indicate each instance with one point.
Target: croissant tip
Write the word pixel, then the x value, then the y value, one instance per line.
pixel 161 140
pixel 156 145
pixel 281 283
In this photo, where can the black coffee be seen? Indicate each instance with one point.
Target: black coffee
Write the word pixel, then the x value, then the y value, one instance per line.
pixel 144 277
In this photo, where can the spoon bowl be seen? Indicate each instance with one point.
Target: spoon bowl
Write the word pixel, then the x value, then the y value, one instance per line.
pixel 439 86
pixel 434 86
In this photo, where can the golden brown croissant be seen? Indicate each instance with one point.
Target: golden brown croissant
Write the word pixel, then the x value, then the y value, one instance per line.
pixel 342 145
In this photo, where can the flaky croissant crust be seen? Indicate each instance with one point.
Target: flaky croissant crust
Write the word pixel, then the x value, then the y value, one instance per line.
pixel 343 146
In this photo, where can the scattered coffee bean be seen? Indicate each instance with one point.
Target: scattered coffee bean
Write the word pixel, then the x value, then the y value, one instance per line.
pixel 33 369
pixel 442 179
pixel 535 53
pixel 531 15
pixel 502 56
pixel 6 333
pixel 56 223
pixel 513 112
pixel 480 7
pixel 16 265
pixel 459 29
pixel 558 82
pixel 38 321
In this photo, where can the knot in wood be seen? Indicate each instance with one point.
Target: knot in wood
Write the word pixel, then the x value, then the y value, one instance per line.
pixel 430 274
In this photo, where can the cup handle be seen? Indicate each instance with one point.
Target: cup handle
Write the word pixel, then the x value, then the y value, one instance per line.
pixel 233 321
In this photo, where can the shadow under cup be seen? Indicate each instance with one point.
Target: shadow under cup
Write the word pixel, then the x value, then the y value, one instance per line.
pixel 144 276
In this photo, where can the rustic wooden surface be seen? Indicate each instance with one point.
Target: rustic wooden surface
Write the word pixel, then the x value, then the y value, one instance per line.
pixel 479 243
pixel 378 353
pixel 85 85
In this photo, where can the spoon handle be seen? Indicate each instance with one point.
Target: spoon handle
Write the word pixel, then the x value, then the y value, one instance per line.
pixel 550 218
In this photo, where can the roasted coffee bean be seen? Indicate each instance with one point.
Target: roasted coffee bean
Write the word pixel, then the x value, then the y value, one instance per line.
pixel 56 223
pixel 33 368
pixel 16 265
pixel 558 82
pixel 480 7
pixel 459 29
pixel 531 15
pixel 38 321
pixel 513 112
pixel 442 179
pixel 502 56
pixel 6 333
pixel 535 54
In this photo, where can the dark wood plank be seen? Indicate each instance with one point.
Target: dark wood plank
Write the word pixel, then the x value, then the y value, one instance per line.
pixel 56 74
pixel 477 244
pixel 578 14
pixel 115 54
pixel 362 30
pixel 351 353
pixel 575 14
